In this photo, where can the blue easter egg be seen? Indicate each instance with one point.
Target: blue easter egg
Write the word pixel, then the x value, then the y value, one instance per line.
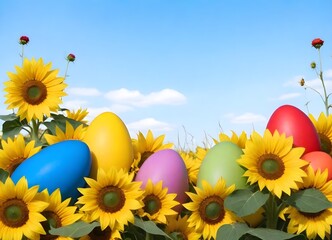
pixel 62 165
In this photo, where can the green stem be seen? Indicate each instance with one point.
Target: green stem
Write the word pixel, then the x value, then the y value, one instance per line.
pixel 35 129
pixel 22 55
pixel 148 236
pixel 66 71
pixel 272 212
pixel 326 103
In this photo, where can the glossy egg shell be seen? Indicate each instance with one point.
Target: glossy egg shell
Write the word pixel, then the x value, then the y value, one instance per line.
pixel 293 122
pixel 62 165
pixel 319 160
pixel 110 143
pixel 166 165
pixel 221 161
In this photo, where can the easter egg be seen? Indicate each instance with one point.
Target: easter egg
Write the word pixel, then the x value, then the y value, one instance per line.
pixel 293 122
pixel 167 166
pixel 319 160
pixel 221 161
pixel 109 142
pixel 62 165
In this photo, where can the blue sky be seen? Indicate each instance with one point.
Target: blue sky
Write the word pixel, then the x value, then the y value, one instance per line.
pixel 186 69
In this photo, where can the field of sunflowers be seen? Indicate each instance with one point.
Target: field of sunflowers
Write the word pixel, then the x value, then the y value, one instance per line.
pixel 64 178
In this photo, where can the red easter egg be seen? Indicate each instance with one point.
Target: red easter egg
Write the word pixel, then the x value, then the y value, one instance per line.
pixel 319 160
pixel 293 122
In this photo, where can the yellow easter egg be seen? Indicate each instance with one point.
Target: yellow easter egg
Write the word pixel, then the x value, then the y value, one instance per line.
pixel 109 142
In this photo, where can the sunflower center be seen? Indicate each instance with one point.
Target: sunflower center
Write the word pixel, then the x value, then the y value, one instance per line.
pixel 98 234
pixel 152 204
pixel 111 199
pixel 14 213
pixel 34 92
pixel 312 215
pixel 211 209
pixel 325 143
pixel 54 221
pixel 270 166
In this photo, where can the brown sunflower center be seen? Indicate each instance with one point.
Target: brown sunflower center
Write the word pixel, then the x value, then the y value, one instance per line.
pixel 111 199
pixel 325 143
pixel 14 213
pixel 98 234
pixel 54 221
pixel 270 166
pixel 212 210
pixel 312 215
pixel 152 204
pixel 34 92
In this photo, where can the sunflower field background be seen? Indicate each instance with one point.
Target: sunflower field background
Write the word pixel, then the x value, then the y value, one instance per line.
pixel 64 178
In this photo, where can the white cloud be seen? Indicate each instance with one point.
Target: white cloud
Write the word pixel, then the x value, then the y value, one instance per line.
pixel 87 92
pixel 328 73
pixel 136 98
pixel 145 124
pixel 246 118
pixel 317 85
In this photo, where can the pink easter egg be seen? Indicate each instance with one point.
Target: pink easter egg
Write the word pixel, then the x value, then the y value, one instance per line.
pixel 167 166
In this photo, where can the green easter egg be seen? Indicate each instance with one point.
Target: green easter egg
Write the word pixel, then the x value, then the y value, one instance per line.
pixel 221 161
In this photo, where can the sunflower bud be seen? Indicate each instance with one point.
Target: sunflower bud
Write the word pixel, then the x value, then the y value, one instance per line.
pixel 313 65
pixel 317 43
pixel 302 82
pixel 24 40
pixel 71 57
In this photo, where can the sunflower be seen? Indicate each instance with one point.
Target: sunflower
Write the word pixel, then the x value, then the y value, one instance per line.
pixel 15 151
pixel 238 140
pixel 179 226
pixel 272 162
pixel 324 129
pixel 192 164
pixel 144 147
pixel 35 90
pixel 20 212
pixel 70 133
pixel 158 203
pixel 58 213
pixel 78 115
pixel 111 199
pixel 312 224
pixel 201 152
pixel 207 207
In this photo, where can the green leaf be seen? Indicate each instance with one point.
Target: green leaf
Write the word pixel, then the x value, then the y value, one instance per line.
pixel 150 227
pixel 232 231
pixel 11 128
pixel 60 121
pixel 3 175
pixel 9 117
pixel 309 200
pixel 75 230
pixel 237 230
pixel 244 202
pixel 272 234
